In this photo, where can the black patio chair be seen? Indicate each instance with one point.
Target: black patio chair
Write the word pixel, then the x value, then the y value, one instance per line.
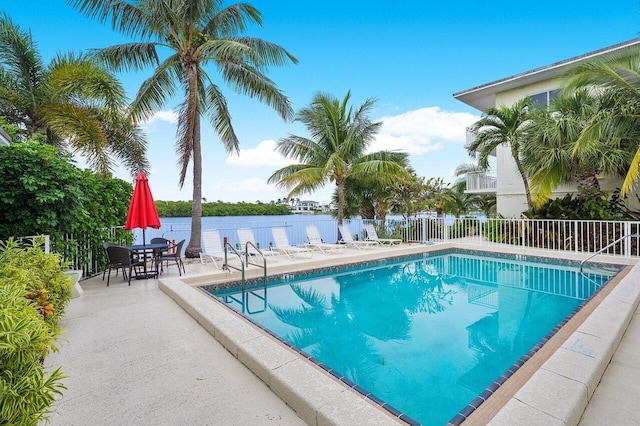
pixel 122 258
pixel 176 256
pixel 106 255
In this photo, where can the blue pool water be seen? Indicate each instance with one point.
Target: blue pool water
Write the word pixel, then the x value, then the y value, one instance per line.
pixel 428 334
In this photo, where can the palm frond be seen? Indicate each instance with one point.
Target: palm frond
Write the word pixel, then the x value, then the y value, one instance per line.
pixel 218 113
pixel 249 81
pixel 157 89
pixel 232 20
pixel 128 57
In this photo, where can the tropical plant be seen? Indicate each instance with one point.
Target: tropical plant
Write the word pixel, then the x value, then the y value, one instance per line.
pixel 553 156
pixel 33 296
pixel 336 149
pixel 196 33
pixel 618 74
pixel 409 194
pixel 73 102
pixel 505 126
pixel 368 195
pixel 437 195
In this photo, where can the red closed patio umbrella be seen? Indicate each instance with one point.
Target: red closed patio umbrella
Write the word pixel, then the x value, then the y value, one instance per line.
pixel 142 210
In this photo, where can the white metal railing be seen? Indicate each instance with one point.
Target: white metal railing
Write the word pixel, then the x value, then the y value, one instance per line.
pixel 481 181
pixel 470 137
pixel 30 238
pixel 578 236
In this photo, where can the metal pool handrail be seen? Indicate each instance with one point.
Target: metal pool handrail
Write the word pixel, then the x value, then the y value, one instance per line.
pixel 606 247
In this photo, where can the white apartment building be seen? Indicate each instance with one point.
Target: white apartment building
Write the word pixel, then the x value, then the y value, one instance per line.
pixel 541 84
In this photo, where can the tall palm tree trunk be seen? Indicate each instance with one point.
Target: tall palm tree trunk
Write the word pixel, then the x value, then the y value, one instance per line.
pixel 587 182
pixel 194 247
pixel 340 185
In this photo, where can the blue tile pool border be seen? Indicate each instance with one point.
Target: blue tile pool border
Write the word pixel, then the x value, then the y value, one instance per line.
pixel 466 411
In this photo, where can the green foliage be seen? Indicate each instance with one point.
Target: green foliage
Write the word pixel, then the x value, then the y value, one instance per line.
pixel 408 195
pixel 11 129
pixel 39 191
pixel 337 150
pixel 49 289
pixel 499 230
pixel 73 102
pixel 42 193
pixel 33 296
pixel 183 209
pixel 586 206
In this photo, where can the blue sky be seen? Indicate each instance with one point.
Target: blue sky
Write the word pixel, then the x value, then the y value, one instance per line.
pixel 409 55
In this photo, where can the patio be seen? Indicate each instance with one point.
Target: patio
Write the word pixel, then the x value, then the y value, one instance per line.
pixel 134 356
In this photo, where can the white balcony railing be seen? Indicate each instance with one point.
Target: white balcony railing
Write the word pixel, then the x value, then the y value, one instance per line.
pixel 471 136
pixel 481 182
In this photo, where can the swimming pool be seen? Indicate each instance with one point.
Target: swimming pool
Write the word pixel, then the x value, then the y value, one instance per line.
pixel 425 334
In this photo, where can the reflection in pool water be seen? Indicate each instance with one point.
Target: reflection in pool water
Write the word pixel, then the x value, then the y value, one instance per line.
pixel 425 335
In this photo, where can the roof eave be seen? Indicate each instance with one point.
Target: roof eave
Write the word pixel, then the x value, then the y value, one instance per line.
pixel 483 97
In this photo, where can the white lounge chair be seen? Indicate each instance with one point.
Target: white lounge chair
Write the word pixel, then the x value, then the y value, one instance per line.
pixel 282 245
pixel 245 236
pixel 350 242
pixel 213 248
pixel 372 235
pixel 315 241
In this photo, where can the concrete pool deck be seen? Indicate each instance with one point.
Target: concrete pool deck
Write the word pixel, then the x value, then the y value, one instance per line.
pixel 133 356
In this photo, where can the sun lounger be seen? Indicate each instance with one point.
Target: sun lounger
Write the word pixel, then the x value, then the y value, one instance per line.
pixel 350 242
pixel 250 247
pixel 315 241
pixel 214 249
pixel 282 245
pixel 372 235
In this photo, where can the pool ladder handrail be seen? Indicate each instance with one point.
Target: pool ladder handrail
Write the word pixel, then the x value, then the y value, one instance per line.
pixel 606 247
pixel 264 259
pixel 226 264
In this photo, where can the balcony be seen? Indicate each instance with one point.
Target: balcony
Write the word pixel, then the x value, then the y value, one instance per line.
pixel 481 182
pixel 471 136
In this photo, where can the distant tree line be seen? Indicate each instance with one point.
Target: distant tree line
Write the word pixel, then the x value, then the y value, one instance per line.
pixel 219 208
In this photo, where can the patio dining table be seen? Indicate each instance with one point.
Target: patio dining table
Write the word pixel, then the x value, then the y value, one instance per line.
pixel 148 251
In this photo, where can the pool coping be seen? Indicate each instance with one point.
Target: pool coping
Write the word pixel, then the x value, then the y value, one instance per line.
pixel 319 398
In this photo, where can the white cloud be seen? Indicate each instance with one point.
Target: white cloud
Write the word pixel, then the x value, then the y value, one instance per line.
pixel 420 131
pixel 264 154
pixel 169 116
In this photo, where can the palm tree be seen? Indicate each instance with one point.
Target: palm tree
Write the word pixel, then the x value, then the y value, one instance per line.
pixel 620 77
pixel 553 155
pixel 409 194
pixel 197 33
pixel 368 195
pixel 72 102
pixel 503 126
pixel 340 136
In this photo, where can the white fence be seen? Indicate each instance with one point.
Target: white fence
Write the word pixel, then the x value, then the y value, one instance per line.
pixel 585 236
pixel 580 236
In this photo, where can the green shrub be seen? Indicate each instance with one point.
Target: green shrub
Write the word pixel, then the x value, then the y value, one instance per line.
pixel 42 193
pixel 33 295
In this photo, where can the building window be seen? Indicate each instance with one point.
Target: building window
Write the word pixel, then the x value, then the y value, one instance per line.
pixel 542 100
